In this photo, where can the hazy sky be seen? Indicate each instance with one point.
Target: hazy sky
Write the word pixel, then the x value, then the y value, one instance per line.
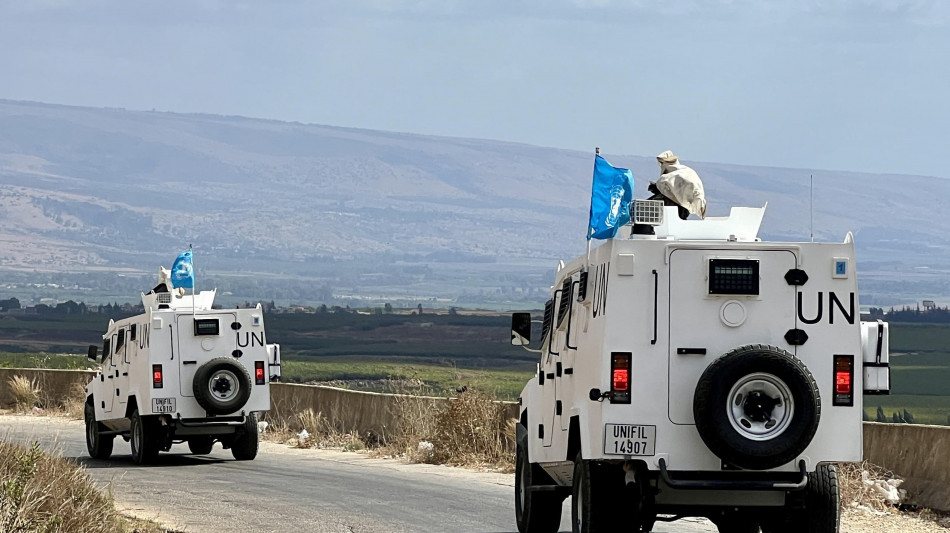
pixel 851 85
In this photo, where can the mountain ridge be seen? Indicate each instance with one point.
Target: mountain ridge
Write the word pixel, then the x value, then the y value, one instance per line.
pixel 99 189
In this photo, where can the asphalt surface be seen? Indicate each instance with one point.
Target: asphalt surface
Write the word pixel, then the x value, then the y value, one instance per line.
pixel 287 489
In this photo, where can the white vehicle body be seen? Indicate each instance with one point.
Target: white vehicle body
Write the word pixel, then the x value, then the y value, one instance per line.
pixel 698 371
pixel 181 371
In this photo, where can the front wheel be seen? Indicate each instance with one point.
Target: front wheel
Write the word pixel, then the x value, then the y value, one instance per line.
pixel 145 438
pixel 247 440
pixel 536 511
pixel 99 445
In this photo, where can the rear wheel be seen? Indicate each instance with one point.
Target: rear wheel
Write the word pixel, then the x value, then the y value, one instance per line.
pixel 200 445
pixel 246 441
pixel 145 438
pixel 99 446
pixel 536 511
pixel 817 508
pixel 597 500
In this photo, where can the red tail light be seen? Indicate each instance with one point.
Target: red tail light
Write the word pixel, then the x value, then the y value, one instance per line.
pixel 620 377
pixel 259 372
pixel 844 380
pixel 157 376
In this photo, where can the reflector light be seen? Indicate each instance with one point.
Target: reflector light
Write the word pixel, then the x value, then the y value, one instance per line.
pixel 843 382
pixel 259 372
pixel 157 376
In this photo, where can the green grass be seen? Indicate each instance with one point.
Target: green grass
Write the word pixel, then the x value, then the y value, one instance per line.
pixel 925 409
pixel 44 360
pixel 438 379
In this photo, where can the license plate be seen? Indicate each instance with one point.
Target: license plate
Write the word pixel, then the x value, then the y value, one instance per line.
pixel 629 439
pixel 163 405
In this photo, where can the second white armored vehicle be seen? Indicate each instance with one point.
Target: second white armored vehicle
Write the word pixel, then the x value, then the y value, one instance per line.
pixel 181 372
pixel 694 370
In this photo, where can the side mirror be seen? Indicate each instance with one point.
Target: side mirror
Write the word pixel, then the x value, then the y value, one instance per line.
pixel 520 329
pixel 93 353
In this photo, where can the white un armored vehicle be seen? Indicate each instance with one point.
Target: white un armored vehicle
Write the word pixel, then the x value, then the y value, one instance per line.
pixel 181 371
pixel 694 370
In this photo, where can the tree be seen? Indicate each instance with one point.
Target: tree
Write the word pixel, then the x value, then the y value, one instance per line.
pixel 12 303
pixel 388 308
pixel 909 418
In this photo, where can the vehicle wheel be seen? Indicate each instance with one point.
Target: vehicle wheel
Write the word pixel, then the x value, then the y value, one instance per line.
pixel 145 438
pixel 597 503
pixel 757 407
pixel 221 386
pixel 246 441
pixel 99 446
pixel 200 445
pixel 816 510
pixel 535 511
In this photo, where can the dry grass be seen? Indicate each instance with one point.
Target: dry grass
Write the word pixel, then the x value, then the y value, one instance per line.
pixel 25 392
pixel 75 401
pixel 470 430
pixel 43 493
pixel 309 429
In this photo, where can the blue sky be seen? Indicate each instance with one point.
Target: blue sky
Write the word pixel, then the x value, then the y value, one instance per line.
pixel 846 85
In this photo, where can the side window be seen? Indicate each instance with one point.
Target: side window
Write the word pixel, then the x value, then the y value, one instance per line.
pixel 106 346
pixel 115 349
pixel 132 332
pixel 120 342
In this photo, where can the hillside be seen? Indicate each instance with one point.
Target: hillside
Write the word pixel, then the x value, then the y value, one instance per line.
pixel 310 213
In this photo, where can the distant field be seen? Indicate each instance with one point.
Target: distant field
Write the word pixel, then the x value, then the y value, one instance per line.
pixel 450 351
pixel 408 377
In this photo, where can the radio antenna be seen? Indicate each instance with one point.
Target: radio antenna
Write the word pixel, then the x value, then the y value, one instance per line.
pixel 811 204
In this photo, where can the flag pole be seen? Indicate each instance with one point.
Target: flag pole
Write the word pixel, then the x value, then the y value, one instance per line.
pixel 194 280
pixel 596 153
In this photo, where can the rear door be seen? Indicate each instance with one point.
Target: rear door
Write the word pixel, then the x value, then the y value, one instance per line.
pixel 721 299
pixel 200 339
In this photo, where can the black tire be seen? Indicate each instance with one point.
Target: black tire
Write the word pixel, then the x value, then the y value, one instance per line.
pixel 246 442
pixel 144 438
pixel 597 503
pixel 200 445
pixel 822 500
pixel 535 511
pixel 222 386
pixel 99 445
pixel 816 510
pixel 757 407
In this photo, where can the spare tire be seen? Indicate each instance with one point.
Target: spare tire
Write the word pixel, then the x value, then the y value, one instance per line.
pixel 757 407
pixel 221 386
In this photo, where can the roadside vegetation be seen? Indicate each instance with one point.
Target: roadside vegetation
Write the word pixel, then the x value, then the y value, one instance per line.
pixel 470 429
pixel 42 493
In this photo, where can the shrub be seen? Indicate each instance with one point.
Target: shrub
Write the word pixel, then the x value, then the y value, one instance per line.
pixel 25 392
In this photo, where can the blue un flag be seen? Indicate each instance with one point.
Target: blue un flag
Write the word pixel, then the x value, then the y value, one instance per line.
pixel 183 273
pixel 610 198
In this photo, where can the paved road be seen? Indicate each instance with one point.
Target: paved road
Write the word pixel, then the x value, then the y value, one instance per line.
pixel 287 489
